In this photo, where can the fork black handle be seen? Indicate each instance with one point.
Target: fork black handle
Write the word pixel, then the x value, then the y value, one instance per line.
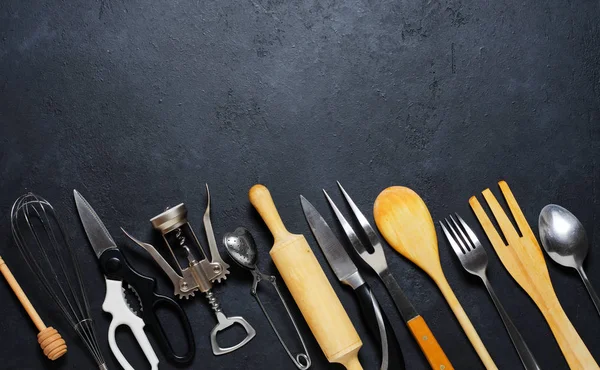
pixel 380 327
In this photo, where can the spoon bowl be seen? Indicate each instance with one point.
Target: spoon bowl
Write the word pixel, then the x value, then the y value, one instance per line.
pixel 241 248
pixel 563 236
pixel 565 241
pixel 404 221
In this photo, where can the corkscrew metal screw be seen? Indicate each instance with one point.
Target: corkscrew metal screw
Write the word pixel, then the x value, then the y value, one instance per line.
pixel 200 274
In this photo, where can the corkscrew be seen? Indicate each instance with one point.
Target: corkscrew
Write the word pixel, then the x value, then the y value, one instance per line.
pixel 200 273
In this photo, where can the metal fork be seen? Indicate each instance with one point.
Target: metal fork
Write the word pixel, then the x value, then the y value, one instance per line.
pixel 376 260
pixel 474 259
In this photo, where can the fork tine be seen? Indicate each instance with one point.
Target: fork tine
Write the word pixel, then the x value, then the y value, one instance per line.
pixel 486 223
pixel 472 237
pixel 464 247
pixel 451 240
pixel 354 240
pixel 515 209
pixel 503 221
pixel 468 242
pixel 362 220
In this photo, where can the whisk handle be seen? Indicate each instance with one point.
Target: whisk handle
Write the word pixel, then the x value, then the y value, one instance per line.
pixel 115 305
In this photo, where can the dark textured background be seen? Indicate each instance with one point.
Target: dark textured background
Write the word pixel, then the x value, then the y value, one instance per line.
pixel 137 104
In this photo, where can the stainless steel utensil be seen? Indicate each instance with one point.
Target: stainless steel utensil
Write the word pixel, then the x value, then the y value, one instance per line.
pixel 242 249
pixel 200 272
pixel 121 278
pixel 347 272
pixel 376 260
pixel 46 249
pixel 474 259
pixel 523 258
pixel 566 242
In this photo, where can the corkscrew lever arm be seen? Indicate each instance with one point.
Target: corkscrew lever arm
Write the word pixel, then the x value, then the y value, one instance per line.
pixel 215 256
pixel 173 276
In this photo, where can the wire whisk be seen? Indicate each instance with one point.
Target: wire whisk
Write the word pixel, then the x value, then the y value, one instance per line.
pixel 45 248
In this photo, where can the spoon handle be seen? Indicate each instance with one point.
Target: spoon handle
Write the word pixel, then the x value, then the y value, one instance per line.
pixel 590 289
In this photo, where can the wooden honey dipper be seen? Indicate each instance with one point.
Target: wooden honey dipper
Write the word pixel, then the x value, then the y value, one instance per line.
pixel 49 339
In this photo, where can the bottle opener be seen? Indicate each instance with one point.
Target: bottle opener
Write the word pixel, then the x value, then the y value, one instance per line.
pixel 199 274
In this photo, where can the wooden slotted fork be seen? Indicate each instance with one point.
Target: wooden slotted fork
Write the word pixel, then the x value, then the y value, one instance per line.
pixel 523 259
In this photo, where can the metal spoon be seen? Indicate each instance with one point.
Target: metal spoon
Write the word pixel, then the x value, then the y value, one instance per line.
pixel 242 249
pixel 565 241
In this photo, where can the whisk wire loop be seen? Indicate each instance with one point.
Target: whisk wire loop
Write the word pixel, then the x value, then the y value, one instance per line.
pixel 45 248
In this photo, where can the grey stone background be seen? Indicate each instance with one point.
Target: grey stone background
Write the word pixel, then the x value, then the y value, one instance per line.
pixel 137 104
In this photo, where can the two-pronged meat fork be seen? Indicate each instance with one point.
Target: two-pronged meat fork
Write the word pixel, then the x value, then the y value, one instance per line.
pixel 376 260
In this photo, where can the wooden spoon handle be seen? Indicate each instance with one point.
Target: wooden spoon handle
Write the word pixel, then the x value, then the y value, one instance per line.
pixel 575 351
pixel 464 321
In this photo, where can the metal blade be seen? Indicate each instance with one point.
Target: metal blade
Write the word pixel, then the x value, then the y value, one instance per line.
pixel 336 255
pixel 132 299
pixel 95 230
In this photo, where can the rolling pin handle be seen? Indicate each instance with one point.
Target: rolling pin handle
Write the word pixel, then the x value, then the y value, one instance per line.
pixel 260 197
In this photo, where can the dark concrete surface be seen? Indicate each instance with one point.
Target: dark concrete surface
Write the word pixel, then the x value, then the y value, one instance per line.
pixel 137 104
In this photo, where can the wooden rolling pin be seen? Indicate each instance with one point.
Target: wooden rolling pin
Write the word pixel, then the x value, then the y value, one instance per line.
pixel 306 281
pixel 49 339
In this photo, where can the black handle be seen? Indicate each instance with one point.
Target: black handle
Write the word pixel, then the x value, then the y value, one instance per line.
pixel 115 266
pixel 159 332
pixel 379 324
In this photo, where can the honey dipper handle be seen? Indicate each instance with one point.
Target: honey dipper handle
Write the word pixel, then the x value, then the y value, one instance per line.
pixel 260 197
pixel 465 323
pixel 16 288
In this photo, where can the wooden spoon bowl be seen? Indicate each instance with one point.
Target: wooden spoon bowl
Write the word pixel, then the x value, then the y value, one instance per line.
pixel 405 222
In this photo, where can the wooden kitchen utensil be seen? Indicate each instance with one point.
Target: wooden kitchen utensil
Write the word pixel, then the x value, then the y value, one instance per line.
pixel 404 221
pixel 306 281
pixel 49 339
pixel 524 260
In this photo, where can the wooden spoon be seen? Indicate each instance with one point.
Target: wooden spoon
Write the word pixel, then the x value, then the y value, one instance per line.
pixel 404 221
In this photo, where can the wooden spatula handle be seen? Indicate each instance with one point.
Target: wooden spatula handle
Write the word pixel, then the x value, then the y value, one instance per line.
pixel 575 351
pixel 260 197
pixel 465 323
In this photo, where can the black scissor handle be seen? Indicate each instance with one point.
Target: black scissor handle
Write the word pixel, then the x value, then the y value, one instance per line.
pixel 154 324
pixel 115 266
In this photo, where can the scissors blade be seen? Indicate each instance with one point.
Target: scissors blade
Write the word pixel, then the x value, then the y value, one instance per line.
pixel 95 230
